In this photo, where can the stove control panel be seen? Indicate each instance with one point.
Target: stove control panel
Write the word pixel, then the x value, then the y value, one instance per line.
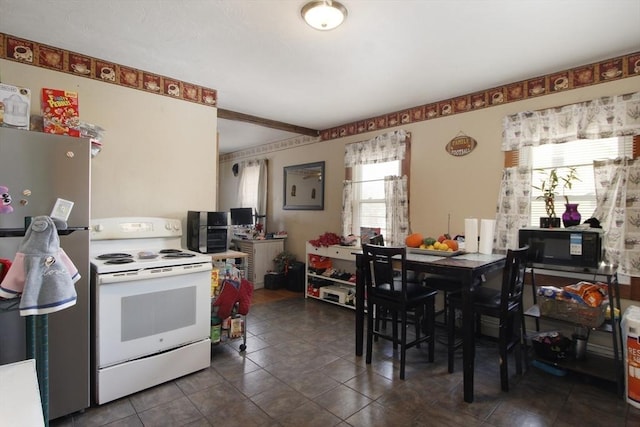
pixel 135 228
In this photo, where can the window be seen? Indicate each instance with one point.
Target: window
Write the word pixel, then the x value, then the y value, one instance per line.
pixel 376 187
pixel 579 154
pixel 369 209
pixel 252 190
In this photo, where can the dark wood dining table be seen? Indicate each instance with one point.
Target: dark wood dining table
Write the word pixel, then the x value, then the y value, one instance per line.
pixel 462 272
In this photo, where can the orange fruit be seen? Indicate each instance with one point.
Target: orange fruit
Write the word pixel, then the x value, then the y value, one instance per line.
pixel 453 244
pixel 413 240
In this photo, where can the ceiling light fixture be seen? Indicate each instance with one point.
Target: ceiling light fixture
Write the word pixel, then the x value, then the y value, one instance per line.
pixel 324 14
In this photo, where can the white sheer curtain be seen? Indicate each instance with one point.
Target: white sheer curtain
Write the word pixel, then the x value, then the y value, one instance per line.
pixel 252 191
pixel 383 148
pixel 599 118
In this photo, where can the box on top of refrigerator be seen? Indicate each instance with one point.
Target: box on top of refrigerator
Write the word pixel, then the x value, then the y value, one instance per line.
pixel 60 112
pixel 15 106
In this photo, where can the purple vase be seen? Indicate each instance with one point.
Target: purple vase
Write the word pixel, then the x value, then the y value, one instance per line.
pixel 571 216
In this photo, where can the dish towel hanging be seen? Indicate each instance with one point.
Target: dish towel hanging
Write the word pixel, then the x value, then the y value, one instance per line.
pixel 41 273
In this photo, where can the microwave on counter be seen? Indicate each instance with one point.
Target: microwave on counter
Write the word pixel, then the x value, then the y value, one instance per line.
pixel 575 248
pixel 208 232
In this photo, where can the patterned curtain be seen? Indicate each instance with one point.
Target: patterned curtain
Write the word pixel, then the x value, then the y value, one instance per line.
pixel 383 148
pixel 599 118
pixel 618 210
pixel 397 209
pixel 347 207
pixel 514 205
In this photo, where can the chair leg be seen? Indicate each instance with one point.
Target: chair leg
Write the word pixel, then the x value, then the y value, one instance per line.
pixel 370 316
pixel 418 316
pixel 523 338
pixel 521 344
pixel 504 365
pixel 403 343
pixel 430 315
pixel 378 313
pixel 451 332
pixel 394 321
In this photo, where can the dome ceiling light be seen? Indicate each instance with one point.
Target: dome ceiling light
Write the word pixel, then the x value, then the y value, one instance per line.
pixel 324 15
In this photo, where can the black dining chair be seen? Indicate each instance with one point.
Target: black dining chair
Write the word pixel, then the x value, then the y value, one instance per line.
pixel 505 304
pixel 389 292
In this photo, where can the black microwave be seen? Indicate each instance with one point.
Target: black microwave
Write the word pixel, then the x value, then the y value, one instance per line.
pixel 574 248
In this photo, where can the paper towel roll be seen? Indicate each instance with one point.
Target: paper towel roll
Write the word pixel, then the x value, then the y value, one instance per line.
pixel 471 235
pixel 487 227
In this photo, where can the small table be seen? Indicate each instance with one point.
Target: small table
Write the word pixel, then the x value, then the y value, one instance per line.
pixel 462 271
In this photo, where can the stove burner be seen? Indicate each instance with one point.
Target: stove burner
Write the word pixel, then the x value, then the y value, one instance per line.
pixel 178 255
pixel 114 256
pixel 170 251
pixel 119 261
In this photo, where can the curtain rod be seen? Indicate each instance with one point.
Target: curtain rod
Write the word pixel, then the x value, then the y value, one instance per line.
pixel 371 180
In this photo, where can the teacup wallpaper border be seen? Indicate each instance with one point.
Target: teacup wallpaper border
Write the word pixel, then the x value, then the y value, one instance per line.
pixel 45 56
pixel 584 75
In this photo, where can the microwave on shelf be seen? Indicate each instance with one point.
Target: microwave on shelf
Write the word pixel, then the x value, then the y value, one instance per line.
pixel 208 232
pixel 574 248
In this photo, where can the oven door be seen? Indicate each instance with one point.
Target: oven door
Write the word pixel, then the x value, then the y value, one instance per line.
pixel 146 312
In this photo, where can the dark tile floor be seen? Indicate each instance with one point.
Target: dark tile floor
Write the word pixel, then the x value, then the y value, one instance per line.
pixel 299 369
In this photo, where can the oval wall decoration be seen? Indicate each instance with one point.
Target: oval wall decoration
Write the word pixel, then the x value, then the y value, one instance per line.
pixel 461 145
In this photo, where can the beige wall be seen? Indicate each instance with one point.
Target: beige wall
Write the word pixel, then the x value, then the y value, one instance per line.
pixel 160 154
pixel 440 185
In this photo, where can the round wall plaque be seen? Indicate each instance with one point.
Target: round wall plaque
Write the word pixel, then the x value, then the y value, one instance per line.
pixel 461 145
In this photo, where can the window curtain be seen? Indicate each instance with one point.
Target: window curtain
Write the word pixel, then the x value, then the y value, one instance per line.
pixel 347 207
pixel 383 148
pixel 514 207
pixel 252 191
pixel 599 118
pixel 397 209
pixel 618 210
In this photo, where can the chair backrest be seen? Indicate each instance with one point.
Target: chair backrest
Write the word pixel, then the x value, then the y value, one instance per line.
pixel 513 277
pixel 381 264
pixel 377 240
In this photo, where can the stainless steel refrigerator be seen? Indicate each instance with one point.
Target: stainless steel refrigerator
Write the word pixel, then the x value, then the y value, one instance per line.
pixel 37 169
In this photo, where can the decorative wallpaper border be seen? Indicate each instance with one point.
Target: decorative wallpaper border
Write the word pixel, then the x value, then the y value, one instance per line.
pixel 52 58
pixel 296 141
pixel 574 78
pixel 45 56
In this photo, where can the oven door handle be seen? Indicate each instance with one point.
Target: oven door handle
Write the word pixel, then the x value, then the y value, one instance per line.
pixel 151 273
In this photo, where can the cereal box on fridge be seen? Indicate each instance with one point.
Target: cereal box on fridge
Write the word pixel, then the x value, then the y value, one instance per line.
pixel 15 106
pixel 60 112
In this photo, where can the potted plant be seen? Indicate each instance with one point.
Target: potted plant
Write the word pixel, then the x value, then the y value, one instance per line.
pixel 549 189
pixel 283 260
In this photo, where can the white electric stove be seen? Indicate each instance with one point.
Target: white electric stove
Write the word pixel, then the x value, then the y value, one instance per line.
pixel 150 302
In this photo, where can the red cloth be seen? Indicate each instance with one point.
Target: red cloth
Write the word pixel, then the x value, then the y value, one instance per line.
pixel 226 298
pixel 246 293
pixel 231 293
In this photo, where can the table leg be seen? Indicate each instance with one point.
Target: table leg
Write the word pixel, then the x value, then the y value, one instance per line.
pixel 468 344
pixel 359 306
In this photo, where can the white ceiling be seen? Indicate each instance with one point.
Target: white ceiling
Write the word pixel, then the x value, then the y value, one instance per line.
pixel 387 56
